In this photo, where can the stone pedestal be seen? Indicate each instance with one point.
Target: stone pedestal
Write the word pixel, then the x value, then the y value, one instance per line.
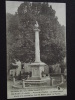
pixel 37 69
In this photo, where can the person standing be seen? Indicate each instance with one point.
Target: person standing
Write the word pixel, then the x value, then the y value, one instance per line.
pixel 18 64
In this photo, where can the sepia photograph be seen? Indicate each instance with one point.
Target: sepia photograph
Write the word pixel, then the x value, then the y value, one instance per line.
pixel 36 49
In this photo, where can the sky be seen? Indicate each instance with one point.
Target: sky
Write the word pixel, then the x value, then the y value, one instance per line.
pixel 60 8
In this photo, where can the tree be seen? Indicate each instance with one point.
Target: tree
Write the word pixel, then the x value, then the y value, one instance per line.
pixel 21 36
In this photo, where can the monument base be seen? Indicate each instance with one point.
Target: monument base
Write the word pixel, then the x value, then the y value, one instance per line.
pixel 37 70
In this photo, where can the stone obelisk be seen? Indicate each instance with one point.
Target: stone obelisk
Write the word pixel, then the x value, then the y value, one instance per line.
pixel 37 44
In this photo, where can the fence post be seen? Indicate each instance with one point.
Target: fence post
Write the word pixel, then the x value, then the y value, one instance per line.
pixel 62 78
pixel 14 80
pixel 23 83
pixel 28 76
pixel 51 83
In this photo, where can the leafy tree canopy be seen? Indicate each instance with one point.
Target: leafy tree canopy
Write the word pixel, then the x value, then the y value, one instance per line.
pixel 21 36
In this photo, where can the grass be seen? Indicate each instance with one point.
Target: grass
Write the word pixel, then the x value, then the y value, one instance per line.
pixel 55 83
